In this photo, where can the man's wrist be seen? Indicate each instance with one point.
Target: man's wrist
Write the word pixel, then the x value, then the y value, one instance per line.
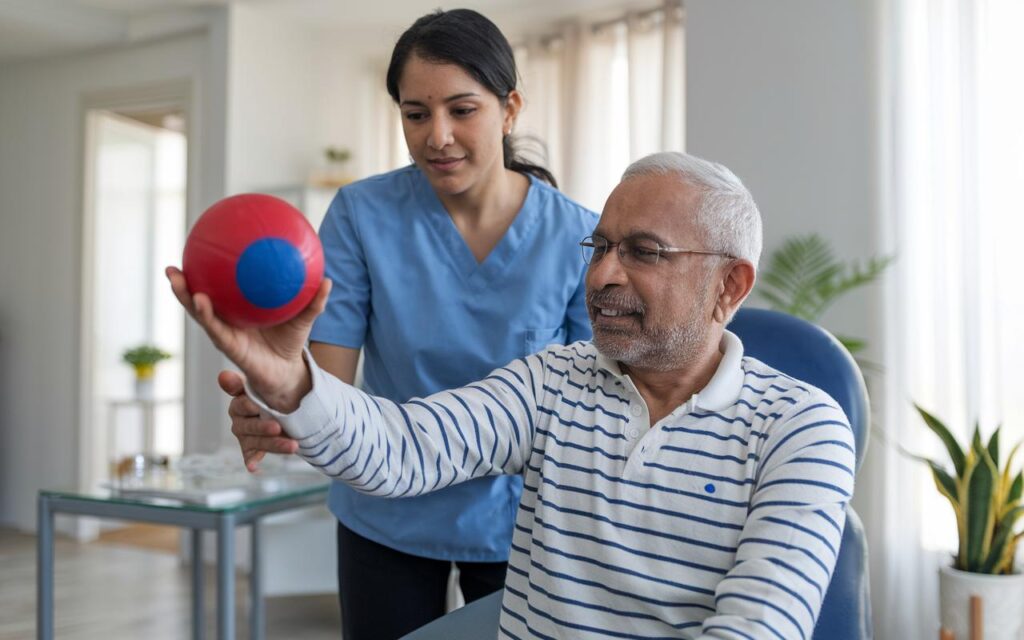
pixel 286 397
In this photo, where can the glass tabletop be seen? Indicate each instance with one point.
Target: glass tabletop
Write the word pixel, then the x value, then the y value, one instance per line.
pixel 177 491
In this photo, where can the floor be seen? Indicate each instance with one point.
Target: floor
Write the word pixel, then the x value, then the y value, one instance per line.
pixel 131 584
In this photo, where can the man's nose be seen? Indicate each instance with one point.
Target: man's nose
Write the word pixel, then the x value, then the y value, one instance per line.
pixel 440 133
pixel 606 271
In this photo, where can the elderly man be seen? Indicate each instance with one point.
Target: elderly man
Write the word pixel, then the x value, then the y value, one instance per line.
pixel 673 487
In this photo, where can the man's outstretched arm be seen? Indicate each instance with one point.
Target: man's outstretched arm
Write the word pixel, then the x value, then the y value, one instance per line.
pixel 394 450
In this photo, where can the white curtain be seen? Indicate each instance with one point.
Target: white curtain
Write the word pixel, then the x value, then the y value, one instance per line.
pixel 955 163
pixel 600 96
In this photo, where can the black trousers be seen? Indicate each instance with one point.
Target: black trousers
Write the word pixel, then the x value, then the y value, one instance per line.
pixel 386 594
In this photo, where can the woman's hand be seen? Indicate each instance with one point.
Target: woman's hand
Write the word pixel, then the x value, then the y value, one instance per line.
pixel 271 357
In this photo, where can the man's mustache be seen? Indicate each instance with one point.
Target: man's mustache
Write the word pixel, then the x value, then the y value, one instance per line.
pixel 615 300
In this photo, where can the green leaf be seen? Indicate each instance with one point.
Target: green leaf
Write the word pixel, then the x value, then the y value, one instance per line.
pixel 1013 496
pixel 1002 536
pixel 946 485
pixel 803 278
pixel 956 454
pixel 993 445
pixel 979 513
pixel 853 345
pixel 976 440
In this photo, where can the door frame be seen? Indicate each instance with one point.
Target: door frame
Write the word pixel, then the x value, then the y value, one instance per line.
pixel 178 95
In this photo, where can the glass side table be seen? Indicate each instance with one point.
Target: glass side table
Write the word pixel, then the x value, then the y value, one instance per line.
pixel 257 499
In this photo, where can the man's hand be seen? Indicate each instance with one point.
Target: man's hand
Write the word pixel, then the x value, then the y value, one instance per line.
pixel 257 435
pixel 271 357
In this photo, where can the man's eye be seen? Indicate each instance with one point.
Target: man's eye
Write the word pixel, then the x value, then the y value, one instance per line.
pixel 645 253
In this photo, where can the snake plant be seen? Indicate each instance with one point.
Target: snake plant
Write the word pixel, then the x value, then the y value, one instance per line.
pixel 985 497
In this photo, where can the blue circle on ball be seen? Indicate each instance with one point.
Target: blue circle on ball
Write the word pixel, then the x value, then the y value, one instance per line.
pixel 270 272
pixel 710 488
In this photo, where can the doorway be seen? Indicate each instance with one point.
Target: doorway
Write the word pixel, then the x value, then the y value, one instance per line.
pixel 134 225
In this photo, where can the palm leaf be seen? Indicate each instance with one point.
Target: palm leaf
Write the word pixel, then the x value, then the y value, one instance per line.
pixel 803 278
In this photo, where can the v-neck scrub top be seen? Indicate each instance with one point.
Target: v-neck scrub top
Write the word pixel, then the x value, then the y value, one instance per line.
pixel 429 317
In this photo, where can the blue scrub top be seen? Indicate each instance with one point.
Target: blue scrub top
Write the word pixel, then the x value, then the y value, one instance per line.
pixel 429 317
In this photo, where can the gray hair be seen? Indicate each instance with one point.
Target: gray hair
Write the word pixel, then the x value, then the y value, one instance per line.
pixel 727 215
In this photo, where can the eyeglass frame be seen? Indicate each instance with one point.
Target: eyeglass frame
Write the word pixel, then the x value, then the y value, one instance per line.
pixel 588 243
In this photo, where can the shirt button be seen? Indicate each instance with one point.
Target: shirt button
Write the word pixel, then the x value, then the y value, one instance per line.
pixel 633 433
pixel 636 410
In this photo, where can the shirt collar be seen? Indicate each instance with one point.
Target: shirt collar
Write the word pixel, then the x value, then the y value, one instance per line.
pixel 724 388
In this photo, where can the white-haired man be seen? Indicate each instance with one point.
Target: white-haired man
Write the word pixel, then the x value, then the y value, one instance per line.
pixel 673 487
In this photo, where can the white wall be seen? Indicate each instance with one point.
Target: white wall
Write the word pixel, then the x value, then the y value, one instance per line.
pixel 785 94
pixel 41 148
pixel 292 93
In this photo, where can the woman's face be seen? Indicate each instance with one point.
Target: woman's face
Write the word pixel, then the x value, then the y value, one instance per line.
pixel 453 124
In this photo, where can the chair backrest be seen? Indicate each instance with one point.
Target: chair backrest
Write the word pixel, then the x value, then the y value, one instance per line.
pixel 809 353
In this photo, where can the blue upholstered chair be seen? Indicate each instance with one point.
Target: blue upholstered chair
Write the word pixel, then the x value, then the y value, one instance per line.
pixel 808 352
pixel 804 351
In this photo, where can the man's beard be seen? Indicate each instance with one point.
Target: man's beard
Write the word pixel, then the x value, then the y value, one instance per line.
pixel 653 348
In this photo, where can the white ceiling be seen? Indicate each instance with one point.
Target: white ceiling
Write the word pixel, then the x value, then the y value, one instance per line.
pixel 34 28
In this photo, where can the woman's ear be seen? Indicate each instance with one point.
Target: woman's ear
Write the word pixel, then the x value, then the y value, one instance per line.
pixel 734 288
pixel 513 105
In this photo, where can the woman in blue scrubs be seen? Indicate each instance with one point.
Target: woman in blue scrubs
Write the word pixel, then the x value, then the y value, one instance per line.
pixel 442 271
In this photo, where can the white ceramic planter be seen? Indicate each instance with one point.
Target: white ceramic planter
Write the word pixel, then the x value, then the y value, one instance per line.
pixel 144 388
pixel 1002 599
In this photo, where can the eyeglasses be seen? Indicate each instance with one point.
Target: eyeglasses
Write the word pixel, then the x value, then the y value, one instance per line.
pixel 635 251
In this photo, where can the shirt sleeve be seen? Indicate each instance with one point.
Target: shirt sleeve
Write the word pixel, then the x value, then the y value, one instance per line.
pixel 383 448
pixel 344 320
pixel 789 544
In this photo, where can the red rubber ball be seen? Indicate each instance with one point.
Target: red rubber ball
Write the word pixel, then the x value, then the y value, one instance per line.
pixel 256 257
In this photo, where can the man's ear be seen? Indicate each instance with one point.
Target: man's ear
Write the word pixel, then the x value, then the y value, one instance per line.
pixel 734 288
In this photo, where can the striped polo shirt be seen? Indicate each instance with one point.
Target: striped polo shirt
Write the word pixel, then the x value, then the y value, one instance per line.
pixel 723 520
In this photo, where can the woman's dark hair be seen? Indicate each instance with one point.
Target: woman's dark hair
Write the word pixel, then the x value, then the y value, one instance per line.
pixel 465 38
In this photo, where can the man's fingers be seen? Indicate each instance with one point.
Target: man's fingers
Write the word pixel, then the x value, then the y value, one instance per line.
pixel 180 289
pixel 201 309
pixel 221 333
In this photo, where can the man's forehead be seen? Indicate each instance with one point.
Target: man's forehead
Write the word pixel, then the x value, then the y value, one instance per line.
pixel 661 206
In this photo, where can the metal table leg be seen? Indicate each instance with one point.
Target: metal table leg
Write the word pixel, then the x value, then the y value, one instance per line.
pixel 198 621
pixel 226 577
pixel 257 629
pixel 44 570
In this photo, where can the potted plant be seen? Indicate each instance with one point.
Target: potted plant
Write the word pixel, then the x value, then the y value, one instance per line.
pixel 803 278
pixel 987 502
pixel 334 174
pixel 143 360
